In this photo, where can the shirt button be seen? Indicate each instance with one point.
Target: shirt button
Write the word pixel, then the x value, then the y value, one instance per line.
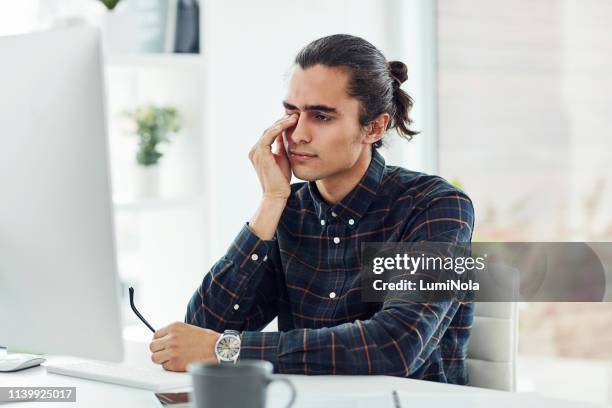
pixel 334 214
pixel 236 307
pixel 322 222
pixel 351 221
pixel 332 295
pixel 254 257
pixel 336 240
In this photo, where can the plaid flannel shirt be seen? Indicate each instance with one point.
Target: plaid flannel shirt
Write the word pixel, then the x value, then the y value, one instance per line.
pixel 309 277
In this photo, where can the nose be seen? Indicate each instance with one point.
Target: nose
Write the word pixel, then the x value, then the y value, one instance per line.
pixel 300 134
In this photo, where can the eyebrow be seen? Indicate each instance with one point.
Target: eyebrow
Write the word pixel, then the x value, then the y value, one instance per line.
pixel 318 108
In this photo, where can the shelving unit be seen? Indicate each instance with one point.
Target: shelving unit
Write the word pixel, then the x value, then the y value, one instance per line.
pixel 156 204
pixel 159 61
pixel 160 240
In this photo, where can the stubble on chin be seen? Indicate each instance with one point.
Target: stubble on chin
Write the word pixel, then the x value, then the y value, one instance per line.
pixel 307 174
pixel 304 176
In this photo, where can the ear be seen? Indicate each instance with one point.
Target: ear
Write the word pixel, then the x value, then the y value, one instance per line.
pixel 376 129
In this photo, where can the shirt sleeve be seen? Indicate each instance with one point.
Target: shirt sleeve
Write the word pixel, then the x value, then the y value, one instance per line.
pixel 394 341
pixel 240 290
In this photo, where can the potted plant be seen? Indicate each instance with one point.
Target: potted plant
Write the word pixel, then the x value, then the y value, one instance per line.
pixel 154 126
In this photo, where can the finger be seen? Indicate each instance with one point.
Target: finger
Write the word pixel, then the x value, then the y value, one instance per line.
pixel 280 148
pixel 271 133
pixel 276 146
pixel 277 121
pixel 285 117
pixel 172 366
pixel 161 357
pixel 277 128
pixel 157 345
pixel 161 332
pixel 166 329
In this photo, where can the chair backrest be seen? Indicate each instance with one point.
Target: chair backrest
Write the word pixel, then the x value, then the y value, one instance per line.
pixel 493 346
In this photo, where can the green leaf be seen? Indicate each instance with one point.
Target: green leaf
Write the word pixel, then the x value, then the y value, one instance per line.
pixel 110 4
pixel 154 125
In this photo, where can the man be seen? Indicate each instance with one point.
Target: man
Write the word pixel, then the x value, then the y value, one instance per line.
pixel 299 259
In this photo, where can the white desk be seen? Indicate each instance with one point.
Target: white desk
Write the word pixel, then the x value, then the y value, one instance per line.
pixel 312 391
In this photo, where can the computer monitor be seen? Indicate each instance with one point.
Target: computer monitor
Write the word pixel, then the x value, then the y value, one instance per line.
pixel 59 292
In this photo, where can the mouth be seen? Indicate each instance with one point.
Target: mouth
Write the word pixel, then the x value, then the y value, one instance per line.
pixel 301 156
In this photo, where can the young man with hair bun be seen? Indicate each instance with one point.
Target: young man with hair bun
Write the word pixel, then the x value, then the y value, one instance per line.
pixel 298 257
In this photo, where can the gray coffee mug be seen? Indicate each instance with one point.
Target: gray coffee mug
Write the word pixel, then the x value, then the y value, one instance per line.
pixel 241 385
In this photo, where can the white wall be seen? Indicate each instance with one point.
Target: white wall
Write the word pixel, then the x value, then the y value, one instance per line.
pixel 249 48
pixel 18 17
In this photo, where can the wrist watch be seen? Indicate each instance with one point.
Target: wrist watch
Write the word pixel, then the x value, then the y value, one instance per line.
pixel 227 347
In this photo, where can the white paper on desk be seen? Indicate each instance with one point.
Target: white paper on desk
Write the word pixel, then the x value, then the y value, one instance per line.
pixel 485 400
pixel 310 400
pixel 445 400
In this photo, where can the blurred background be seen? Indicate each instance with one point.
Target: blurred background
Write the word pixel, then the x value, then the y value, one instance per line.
pixel 512 99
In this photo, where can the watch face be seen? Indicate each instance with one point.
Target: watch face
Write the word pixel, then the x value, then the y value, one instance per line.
pixel 228 347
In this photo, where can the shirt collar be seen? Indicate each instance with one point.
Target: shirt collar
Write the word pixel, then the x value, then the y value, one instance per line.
pixel 356 203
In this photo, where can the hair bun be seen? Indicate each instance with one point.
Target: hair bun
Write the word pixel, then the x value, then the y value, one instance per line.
pixel 399 71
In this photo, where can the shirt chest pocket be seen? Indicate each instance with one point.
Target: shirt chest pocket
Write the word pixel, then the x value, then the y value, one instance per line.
pixel 348 306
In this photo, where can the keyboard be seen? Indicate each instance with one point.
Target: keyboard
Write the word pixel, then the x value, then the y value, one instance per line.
pixel 146 378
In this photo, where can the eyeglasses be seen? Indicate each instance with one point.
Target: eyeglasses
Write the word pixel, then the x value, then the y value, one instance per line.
pixel 137 312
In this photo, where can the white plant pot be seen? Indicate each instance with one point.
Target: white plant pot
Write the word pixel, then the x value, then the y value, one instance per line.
pixel 135 27
pixel 120 31
pixel 147 181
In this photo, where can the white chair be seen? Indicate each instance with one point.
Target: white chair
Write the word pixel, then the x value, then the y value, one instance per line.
pixel 493 346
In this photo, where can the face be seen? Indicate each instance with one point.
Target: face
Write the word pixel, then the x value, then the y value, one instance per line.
pixel 327 139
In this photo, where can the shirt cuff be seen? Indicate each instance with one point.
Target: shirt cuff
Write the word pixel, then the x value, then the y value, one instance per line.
pixel 258 345
pixel 248 251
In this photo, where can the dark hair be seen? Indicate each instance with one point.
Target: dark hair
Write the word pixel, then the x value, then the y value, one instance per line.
pixel 373 81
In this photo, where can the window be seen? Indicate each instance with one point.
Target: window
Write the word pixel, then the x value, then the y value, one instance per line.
pixel 524 100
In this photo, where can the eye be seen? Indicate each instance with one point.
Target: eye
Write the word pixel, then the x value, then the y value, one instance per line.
pixel 322 118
